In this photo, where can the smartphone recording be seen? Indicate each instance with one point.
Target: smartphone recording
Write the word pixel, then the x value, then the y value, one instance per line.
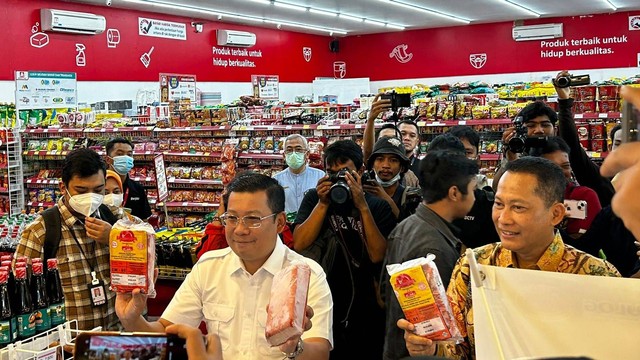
pixel 629 122
pixel 113 345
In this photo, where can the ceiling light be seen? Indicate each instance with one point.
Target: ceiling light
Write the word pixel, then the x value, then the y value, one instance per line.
pixel 426 10
pixel 289 6
pixel 349 17
pixel 266 2
pixel 613 7
pixel 396 27
pixel 303 26
pixel 374 22
pixel 521 7
pixel 322 12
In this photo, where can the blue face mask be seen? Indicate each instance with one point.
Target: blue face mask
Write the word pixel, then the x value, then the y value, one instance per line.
pixel 122 164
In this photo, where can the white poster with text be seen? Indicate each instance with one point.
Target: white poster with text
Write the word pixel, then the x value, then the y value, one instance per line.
pixel 162 29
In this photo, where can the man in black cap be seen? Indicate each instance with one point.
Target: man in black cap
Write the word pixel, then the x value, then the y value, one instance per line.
pixel 389 163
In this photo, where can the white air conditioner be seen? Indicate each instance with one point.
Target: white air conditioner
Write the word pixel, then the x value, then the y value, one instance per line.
pixel 235 38
pixel 72 22
pixel 537 32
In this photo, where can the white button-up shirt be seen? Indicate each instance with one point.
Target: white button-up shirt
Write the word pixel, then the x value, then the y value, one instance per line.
pixel 295 185
pixel 233 303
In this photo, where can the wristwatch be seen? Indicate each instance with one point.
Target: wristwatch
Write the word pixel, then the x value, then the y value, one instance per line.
pixel 299 349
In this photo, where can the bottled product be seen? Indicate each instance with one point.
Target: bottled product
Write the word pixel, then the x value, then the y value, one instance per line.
pixel 26 318
pixel 6 329
pixel 40 299
pixel 11 284
pixel 56 295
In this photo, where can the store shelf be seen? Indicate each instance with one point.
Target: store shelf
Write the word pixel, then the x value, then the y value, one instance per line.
pixel 58 155
pixel 597 154
pixel 124 129
pixel 609 115
pixel 193 128
pixel 42 181
pixel 40 204
pixel 53 131
pixel 194 181
pixel 186 204
pixel 463 122
pixel 490 157
pixel 248 155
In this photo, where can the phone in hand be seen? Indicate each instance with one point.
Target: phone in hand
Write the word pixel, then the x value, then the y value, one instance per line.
pixel 576 209
pixel 629 122
pixel 115 345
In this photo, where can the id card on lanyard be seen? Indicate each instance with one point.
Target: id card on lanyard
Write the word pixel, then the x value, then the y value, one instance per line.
pixel 96 288
pixel 125 197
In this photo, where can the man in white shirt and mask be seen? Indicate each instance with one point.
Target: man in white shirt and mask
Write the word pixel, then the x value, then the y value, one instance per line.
pixel 298 177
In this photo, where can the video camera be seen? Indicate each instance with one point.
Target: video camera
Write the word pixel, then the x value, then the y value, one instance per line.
pixel 566 81
pixel 521 140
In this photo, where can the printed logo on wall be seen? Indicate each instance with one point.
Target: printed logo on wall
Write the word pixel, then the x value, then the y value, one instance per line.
pixel 400 53
pixel 81 57
pixel 634 22
pixel 38 39
pixel 339 69
pixel 478 60
pixel 146 57
pixel 306 52
pixel 113 38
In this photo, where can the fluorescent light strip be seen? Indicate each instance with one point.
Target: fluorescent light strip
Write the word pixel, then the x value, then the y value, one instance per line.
pixel 349 17
pixel 289 6
pixel 521 7
pixel 395 27
pixel 322 12
pixel 426 10
pixel 235 16
pixel 266 2
pixel 373 22
pixel 613 7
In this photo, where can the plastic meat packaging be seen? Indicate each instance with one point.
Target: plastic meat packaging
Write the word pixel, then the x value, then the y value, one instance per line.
pixel 287 304
pixel 132 254
pixel 423 299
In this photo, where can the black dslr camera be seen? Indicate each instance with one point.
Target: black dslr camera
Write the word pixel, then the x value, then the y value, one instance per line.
pixel 521 140
pixel 339 192
pixel 566 81
pixel 368 177
pixel 397 100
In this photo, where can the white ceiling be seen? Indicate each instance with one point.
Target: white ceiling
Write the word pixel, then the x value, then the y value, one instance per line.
pixel 476 11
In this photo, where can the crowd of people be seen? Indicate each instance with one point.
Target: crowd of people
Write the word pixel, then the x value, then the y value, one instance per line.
pixel 370 207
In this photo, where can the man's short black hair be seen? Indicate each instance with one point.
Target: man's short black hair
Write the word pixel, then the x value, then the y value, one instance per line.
pixel 82 163
pixel 115 141
pixel 446 142
pixel 549 176
pixel 342 151
pixel 553 144
pixel 389 126
pixel 409 122
pixel 252 182
pixel 466 132
pixel 613 131
pixel 538 108
pixel 440 170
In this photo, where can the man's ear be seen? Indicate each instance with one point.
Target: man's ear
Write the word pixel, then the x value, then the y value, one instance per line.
pixel 281 221
pixel 62 187
pixel 454 193
pixel 558 211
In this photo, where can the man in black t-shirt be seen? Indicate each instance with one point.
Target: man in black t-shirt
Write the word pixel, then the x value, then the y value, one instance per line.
pixel 120 159
pixel 348 238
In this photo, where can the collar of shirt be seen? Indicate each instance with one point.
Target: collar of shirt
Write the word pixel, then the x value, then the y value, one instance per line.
pixel 300 173
pixel 549 261
pixel 66 214
pixel 423 209
pixel 272 265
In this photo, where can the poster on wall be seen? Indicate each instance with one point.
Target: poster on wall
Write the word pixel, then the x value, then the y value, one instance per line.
pixel 42 89
pixel 266 86
pixel 162 29
pixel 175 87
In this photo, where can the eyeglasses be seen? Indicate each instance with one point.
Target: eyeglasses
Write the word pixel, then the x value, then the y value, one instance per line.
pixel 250 221
pixel 297 151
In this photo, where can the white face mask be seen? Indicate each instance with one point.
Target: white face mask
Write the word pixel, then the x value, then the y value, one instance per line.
pixel 114 200
pixel 85 204
pixel 386 184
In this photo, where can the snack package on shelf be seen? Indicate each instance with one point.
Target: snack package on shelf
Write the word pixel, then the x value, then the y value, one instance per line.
pixel 132 257
pixel 422 297
pixel 287 303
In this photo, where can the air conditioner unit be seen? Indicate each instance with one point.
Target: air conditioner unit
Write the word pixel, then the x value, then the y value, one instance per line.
pixel 537 32
pixel 235 38
pixel 72 22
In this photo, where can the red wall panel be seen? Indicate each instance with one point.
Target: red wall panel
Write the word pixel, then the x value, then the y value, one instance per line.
pixel 281 50
pixel 446 51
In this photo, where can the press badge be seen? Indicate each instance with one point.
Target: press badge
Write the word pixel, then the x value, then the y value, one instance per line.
pixel 96 290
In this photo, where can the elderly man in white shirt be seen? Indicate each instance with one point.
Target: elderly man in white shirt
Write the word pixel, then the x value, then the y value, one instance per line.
pixel 298 177
pixel 229 289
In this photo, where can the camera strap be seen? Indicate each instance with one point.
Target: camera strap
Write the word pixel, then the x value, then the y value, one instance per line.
pixel 338 223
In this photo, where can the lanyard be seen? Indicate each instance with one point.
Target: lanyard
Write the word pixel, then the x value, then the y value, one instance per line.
pixel 126 196
pixel 84 256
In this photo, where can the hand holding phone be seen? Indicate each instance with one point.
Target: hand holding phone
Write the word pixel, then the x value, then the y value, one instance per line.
pixel 629 122
pixel 107 345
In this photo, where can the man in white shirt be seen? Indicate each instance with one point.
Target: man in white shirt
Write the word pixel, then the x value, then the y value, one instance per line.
pixel 229 289
pixel 299 176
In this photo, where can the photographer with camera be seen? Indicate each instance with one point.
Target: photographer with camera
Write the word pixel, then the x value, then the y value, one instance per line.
pixel 345 229
pixel 386 168
pixel 587 173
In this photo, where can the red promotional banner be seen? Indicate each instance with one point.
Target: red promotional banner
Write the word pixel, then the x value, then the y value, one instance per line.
pixel 598 41
pixel 121 53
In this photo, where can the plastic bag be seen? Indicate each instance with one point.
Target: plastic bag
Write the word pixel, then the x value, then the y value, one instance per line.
pixel 132 256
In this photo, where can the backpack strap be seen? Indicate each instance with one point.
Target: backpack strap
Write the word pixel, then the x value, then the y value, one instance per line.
pixel 106 214
pixel 53 232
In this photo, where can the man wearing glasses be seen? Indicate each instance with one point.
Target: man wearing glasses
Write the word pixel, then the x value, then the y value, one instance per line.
pixel 229 289
pixel 298 177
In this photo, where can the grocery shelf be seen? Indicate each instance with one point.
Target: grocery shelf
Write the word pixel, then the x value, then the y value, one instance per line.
pixel 53 131
pixel 42 181
pixel 40 204
pixel 194 128
pixel 470 122
pixel 171 204
pixel 609 115
pixel 194 181
pixel 123 129
pixel 490 157
pixel 248 155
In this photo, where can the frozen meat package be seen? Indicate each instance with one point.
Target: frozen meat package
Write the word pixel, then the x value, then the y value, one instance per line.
pixel 287 303
pixel 423 299
pixel 132 255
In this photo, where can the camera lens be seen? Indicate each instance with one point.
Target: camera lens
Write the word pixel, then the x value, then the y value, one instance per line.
pixel 339 192
pixel 516 144
pixel 563 81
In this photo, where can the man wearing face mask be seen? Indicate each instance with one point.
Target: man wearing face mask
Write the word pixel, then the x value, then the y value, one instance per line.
pixel 120 160
pixel 299 176
pixel 389 163
pixel 82 240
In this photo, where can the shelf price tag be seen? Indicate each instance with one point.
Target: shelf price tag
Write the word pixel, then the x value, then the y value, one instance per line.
pixel 578 116
pixel 603 115
pixel 462 122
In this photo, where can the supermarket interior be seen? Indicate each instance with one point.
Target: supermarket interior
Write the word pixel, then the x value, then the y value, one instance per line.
pixel 198 91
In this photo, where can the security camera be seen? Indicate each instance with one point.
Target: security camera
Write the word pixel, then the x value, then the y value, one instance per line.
pixel 108 2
